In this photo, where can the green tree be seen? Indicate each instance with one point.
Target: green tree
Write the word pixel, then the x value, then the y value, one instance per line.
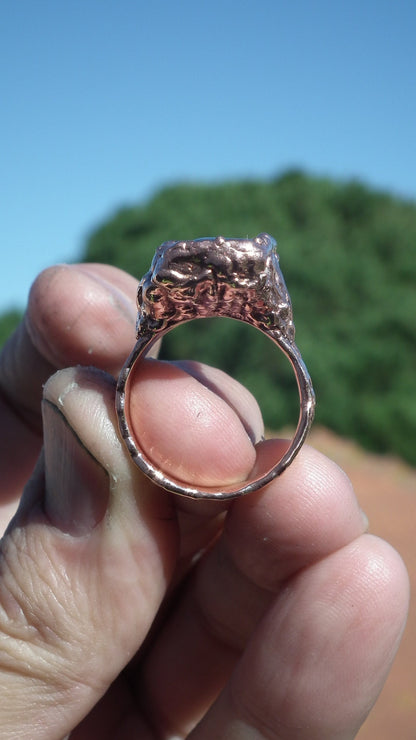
pixel 8 323
pixel 348 256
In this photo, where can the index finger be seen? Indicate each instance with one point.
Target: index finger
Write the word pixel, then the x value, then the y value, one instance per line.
pixel 77 314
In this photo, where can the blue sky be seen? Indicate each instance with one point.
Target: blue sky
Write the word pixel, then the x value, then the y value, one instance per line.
pixel 104 101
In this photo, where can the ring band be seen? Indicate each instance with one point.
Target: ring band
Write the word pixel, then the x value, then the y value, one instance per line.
pixel 234 278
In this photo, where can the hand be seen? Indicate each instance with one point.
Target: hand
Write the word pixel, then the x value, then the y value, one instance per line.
pixel 127 612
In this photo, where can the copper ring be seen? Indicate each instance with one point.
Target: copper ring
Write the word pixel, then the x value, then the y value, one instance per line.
pixel 235 278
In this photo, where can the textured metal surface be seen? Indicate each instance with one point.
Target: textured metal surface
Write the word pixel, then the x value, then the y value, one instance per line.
pixel 238 278
pixel 235 278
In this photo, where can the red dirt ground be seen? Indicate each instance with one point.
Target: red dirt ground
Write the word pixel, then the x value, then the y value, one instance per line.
pixel 386 489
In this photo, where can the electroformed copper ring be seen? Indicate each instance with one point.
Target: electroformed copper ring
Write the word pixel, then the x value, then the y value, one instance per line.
pixel 235 278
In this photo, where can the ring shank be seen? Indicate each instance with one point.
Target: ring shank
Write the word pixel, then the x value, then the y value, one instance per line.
pixel 306 414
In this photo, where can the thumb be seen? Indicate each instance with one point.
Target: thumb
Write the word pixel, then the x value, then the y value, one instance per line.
pixel 83 565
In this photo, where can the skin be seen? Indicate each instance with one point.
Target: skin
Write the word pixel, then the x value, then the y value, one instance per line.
pixel 126 612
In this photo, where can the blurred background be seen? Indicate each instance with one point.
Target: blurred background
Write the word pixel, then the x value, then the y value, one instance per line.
pixel 126 123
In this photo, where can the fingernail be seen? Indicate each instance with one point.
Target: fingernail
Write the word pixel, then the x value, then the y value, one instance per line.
pixel 77 486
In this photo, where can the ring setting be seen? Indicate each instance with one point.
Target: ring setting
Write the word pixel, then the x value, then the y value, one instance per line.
pixel 215 277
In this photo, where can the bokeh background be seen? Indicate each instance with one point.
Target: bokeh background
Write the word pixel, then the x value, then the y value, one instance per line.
pixel 127 123
pixel 103 101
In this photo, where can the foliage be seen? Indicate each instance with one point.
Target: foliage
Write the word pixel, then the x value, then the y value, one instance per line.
pixel 349 260
pixel 8 323
pixel 348 256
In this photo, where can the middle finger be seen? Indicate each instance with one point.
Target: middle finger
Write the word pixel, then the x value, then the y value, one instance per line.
pixel 298 519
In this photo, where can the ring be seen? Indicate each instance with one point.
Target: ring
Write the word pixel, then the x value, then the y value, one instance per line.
pixel 234 278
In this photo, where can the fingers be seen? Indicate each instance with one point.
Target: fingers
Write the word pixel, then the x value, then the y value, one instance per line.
pixel 93 545
pixel 317 661
pixel 81 314
pixel 84 564
pixel 89 556
pixel 234 394
pixel 304 515
pixel 186 429
pixel 296 521
pixel 77 314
